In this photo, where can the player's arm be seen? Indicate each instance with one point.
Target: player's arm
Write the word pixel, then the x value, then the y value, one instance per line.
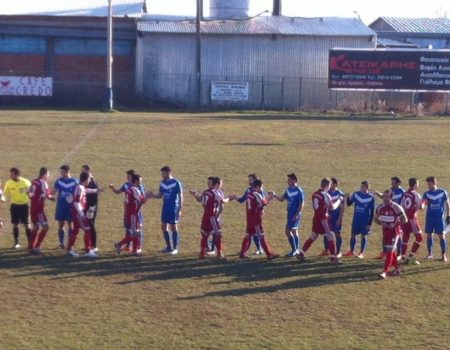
pixel 115 190
pixel 403 219
pixel 349 199
pixel 378 194
pixel 447 209
pixel 196 194
pixel 243 198
pixel 6 190
pixel 371 213
pixel 277 197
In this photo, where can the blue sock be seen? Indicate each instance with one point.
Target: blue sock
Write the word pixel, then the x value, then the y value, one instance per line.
pixel 429 244
pixel 399 246
pixel 443 245
pixel 61 236
pixel 297 242
pixel 167 239
pixel 212 244
pixel 175 239
pixel 352 244
pixel 364 241
pixel 325 243
pixel 338 243
pixel 257 242
pixel 291 242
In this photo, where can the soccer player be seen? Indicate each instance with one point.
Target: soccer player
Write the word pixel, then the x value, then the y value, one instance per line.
pixel 397 191
pixel 242 199
pixel 91 204
pixel 295 203
pixel 16 189
pixel 322 204
pixel 171 190
pixel 78 208
pixel 411 203
pixel 335 218
pixel 255 204
pixel 437 202
pixel 63 191
pixel 210 221
pixel 362 217
pixel 39 193
pixel 134 199
pixel 390 216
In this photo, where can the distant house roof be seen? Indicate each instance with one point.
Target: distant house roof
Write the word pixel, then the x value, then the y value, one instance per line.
pixel 391 43
pixel 84 8
pixel 281 25
pixel 412 25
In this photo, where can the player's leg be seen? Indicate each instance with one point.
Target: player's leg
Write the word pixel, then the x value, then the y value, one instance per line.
pixel 203 243
pixel 364 242
pixel 307 244
pixel 246 245
pixel 24 213
pixel 15 222
pixel 325 251
pixel 264 244
pixel 175 236
pixel 351 251
pixel 42 233
pixel 257 245
pixel 166 235
pixel 405 240
pixel 337 232
pixel 443 244
pixel 331 239
pixel 77 224
pixel 290 237
pixel 416 245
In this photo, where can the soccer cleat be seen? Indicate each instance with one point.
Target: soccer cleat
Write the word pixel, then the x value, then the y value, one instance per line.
pixel 166 250
pixel 221 257
pixel 382 275
pixel 243 256
pixel 210 252
pixel 381 256
pixel 72 253
pixel 117 248
pixel 16 246
pixel 137 254
pixel 174 252
pixel 36 251
pixel 396 272
pixel 95 249
pixel 259 252
pixel 429 257
pixel 91 254
pixel 273 256
pixel 404 259
pixel 62 246
pixel 444 258
pixel 336 261
pixel 324 253
pixel 360 256
pixel 292 254
pixel 349 253
pixel 339 255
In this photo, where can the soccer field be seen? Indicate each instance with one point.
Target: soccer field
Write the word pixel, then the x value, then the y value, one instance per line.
pixel 166 302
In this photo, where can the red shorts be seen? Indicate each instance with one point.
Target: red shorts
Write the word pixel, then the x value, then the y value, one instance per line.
pixel 38 218
pixel 390 237
pixel 254 228
pixel 210 224
pixel 320 226
pixel 412 226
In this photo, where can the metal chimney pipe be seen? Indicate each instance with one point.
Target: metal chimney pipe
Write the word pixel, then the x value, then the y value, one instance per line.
pixel 277 5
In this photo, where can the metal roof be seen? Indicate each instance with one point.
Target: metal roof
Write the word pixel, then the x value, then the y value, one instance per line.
pixel 386 42
pixel 88 8
pixel 281 25
pixel 417 25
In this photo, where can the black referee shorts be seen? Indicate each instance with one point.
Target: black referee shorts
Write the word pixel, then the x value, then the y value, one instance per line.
pixel 19 214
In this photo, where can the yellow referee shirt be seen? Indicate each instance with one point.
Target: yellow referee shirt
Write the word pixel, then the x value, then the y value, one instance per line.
pixel 17 190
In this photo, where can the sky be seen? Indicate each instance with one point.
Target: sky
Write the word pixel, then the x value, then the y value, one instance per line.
pixel 367 10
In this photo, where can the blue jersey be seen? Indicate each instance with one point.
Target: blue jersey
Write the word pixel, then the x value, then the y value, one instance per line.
pixel 364 208
pixel 171 190
pixel 294 196
pixel 335 195
pixel 397 195
pixel 66 188
pixel 435 203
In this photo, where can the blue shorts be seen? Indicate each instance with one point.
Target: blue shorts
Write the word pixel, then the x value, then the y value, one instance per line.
pixel 358 229
pixel 63 213
pixel 293 224
pixel 170 216
pixel 434 225
pixel 335 228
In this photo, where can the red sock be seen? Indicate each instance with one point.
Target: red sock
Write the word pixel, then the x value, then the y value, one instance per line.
pixel 307 244
pixel 331 248
pixel 405 240
pixel 416 244
pixel 40 238
pixel 124 241
pixel 265 245
pixel 136 242
pixel 87 241
pixel 203 245
pixel 32 238
pixel 394 260
pixel 388 261
pixel 218 241
pixel 72 239
pixel 245 245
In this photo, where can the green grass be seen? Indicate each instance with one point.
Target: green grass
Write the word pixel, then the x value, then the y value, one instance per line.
pixel 160 302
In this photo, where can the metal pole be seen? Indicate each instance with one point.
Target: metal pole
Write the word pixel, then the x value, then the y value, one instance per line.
pixel 109 61
pixel 198 58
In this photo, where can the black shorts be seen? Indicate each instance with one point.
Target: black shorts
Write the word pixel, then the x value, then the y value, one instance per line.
pixel 19 214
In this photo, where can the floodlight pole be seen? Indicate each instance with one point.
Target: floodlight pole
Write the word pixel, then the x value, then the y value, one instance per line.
pixel 198 51
pixel 109 61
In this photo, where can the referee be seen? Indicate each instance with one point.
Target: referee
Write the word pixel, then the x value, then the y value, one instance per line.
pixel 16 189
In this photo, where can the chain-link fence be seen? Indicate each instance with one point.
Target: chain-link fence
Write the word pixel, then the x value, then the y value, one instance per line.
pixel 287 93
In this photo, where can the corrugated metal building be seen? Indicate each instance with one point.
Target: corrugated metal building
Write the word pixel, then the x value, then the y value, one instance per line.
pixel 68 43
pixel 284 59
